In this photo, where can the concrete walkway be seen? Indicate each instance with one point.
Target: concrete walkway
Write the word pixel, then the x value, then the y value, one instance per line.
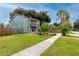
pixel 74 34
pixel 39 48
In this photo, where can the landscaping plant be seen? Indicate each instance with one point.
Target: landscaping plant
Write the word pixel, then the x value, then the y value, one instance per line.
pixel 44 28
pixel 63 16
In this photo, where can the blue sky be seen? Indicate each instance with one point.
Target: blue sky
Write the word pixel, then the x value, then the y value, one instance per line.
pixel 52 9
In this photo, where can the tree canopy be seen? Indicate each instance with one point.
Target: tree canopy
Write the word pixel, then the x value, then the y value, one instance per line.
pixel 41 15
pixel 76 25
pixel 1 25
pixel 63 16
pixel 56 24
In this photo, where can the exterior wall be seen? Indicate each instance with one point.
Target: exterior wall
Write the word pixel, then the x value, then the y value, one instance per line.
pixel 26 25
pixel 20 22
pixel 23 23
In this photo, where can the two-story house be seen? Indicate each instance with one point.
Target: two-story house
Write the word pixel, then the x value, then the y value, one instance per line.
pixel 26 24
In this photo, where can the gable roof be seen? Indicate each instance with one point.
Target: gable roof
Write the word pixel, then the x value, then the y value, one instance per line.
pixel 29 18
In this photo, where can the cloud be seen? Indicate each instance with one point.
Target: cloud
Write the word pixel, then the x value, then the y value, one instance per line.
pixel 13 6
pixel 74 11
pixel 8 6
pixel 52 10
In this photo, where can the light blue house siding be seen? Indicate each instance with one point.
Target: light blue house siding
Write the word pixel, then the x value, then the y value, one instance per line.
pixel 20 22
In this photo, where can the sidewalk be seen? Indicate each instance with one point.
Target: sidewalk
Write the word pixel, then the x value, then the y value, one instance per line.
pixel 39 48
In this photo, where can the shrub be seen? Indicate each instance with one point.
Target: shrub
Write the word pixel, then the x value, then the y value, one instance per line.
pixel 9 31
pixel 65 28
pixel 44 27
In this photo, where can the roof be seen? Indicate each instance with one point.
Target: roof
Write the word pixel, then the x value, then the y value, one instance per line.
pixel 34 20
pixel 31 19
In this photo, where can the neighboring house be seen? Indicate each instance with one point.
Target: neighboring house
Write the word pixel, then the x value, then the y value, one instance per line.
pixel 24 23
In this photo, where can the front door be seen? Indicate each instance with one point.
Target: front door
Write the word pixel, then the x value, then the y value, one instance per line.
pixel 33 28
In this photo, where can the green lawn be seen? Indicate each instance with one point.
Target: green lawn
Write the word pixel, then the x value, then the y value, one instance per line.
pixel 14 43
pixel 65 46
pixel 70 32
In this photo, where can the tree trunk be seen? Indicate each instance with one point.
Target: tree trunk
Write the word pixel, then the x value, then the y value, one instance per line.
pixel 64 34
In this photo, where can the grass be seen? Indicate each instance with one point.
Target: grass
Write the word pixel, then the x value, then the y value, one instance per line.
pixel 64 46
pixel 70 32
pixel 14 43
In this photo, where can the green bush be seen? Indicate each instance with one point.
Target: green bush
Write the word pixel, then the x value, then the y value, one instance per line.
pixel 44 28
pixel 65 28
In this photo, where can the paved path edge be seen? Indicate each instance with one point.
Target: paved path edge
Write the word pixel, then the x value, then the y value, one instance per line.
pixel 38 48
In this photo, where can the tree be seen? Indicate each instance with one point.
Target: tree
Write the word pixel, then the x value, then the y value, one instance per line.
pixel 65 28
pixel 56 24
pixel 1 25
pixel 76 25
pixel 42 15
pixel 31 13
pixel 63 16
pixel 20 11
